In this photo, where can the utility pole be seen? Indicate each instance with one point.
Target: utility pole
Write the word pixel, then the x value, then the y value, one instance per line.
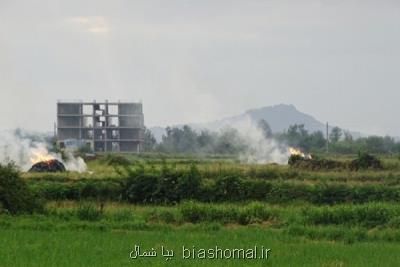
pixel 327 137
pixel 55 130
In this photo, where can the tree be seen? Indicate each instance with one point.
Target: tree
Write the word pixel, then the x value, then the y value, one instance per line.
pixel 296 135
pixel 265 128
pixel 377 144
pixel 348 137
pixel 189 140
pixel 179 140
pixel 316 140
pixel 15 195
pixel 150 141
pixel 229 142
pixel 335 135
pixel 206 141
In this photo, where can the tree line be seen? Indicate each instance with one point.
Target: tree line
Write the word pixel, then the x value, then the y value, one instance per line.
pixel 229 141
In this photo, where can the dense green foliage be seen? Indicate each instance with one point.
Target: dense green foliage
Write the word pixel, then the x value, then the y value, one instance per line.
pixel 230 141
pixel 169 184
pixel 186 140
pixel 205 202
pixel 15 196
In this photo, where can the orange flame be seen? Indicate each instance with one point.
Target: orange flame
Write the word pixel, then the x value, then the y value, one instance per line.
pixel 39 155
pixel 298 152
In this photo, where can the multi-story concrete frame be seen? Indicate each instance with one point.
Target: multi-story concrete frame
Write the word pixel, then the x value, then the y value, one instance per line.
pixel 104 126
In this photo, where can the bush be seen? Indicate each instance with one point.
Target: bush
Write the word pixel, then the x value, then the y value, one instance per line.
pixel 254 213
pixel 116 160
pixel 229 188
pixel 138 186
pixel 15 196
pixel 369 215
pixel 89 212
pixel 189 183
pixel 88 189
pixel 366 161
pixel 198 213
pixel 287 192
pixel 172 185
pixel 331 194
pixel 167 186
pixel 193 212
pixel 122 215
pixel 256 189
pixel 394 222
pixel 161 216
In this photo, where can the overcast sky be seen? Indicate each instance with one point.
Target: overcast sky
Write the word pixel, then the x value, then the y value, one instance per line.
pixel 195 61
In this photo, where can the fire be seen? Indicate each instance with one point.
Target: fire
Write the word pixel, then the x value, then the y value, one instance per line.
pixel 295 151
pixel 38 155
pixel 298 152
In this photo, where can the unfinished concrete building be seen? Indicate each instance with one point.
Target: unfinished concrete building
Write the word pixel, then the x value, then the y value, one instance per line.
pixel 101 126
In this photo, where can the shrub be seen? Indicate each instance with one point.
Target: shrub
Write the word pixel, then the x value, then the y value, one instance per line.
pixel 257 212
pixel 89 212
pixel 198 213
pixel 161 216
pixel 370 215
pixel 256 189
pixel 138 187
pixel 207 191
pixel 15 196
pixel 366 161
pixel 229 188
pixel 189 183
pixel 192 212
pixel 394 222
pixel 287 192
pixel 116 160
pixel 167 186
pixel 267 173
pixel 330 194
pixel 122 215
pixel 97 189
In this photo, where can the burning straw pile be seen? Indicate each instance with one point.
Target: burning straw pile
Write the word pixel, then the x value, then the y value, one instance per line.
pixel 43 162
pixel 52 165
pixel 364 161
pixel 308 163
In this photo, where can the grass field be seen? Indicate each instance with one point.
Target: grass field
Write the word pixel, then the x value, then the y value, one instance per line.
pixel 112 248
pixel 306 217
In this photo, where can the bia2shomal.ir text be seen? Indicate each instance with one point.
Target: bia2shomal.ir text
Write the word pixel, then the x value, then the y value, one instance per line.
pixel 194 253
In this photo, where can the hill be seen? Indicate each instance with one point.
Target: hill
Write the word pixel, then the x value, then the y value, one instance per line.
pixel 279 117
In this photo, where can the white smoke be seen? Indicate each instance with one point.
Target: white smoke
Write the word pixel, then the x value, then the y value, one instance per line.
pixel 21 148
pixel 75 163
pixel 259 150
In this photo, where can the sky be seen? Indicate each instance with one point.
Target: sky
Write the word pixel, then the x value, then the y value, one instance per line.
pixel 197 61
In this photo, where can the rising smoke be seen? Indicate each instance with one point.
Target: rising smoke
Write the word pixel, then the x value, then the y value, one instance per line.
pixel 24 149
pixel 258 148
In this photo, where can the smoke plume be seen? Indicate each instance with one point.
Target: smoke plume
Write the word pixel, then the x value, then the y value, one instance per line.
pixel 24 149
pixel 258 148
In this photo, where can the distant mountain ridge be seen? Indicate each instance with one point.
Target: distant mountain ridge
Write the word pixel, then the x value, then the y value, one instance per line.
pixel 279 117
